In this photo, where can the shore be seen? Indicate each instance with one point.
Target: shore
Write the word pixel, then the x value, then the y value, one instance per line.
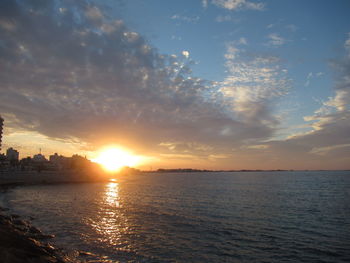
pixel 8 178
pixel 19 240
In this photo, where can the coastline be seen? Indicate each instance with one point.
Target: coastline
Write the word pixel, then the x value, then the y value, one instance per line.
pixel 19 240
pixel 21 178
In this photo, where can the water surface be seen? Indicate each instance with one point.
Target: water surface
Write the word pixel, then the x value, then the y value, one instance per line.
pixel 198 217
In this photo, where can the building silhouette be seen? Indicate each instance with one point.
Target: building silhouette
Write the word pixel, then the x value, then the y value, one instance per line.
pixel 1 126
pixel 39 158
pixel 12 154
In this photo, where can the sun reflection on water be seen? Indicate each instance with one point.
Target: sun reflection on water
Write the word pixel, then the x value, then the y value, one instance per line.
pixel 112 193
pixel 110 222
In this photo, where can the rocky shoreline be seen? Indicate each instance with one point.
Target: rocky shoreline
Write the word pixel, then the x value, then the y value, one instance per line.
pixel 22 242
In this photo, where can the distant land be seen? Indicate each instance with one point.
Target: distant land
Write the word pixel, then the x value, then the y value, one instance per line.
pixel 190 170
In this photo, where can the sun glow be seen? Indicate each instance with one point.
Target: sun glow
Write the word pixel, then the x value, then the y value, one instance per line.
pixel 113 159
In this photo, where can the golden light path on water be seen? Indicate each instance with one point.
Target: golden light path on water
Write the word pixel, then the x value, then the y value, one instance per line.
pixel 111 193
pixel 110 222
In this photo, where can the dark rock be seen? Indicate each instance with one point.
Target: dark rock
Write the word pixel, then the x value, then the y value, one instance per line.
pixel 21 228
pixel 48 247
pixel 14 216
pixel 17 247
pixel 4 218
pixel 47 236
pixel 85 253
pixel 19 222
pixel 34 230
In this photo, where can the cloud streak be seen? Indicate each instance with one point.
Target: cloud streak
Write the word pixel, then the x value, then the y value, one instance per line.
pixel 251 86
pixel 327 145
pixel 238 4
pixel 276 40
pixel 189 19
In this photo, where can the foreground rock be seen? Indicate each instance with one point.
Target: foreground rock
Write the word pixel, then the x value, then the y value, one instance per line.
pixel 19 242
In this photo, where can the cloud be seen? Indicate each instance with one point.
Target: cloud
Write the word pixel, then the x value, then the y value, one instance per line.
pixel 276 40
pixel 311 76
pixel 252 85
pixel 71 72
pixel 347 44
pixel 292 28
pixel 223 18
pixel 326 146
pixel 227 18
pixel 242 41
pixel 340 102
pixel 205 3
pixel 186 54
pixel 189 19
pixel 238 4
pixel 328 149
pixel 173 37
pixel 92 13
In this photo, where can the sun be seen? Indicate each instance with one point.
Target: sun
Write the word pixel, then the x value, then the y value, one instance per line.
pixel 113 159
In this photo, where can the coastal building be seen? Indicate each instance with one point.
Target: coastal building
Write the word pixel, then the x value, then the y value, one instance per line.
pixel 26 164
pixel 12 154
pixel 59 162
pixel 39 158
pixel 55 158
pixel 1 126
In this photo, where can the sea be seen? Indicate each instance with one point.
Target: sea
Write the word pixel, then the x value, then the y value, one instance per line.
pixel 279 216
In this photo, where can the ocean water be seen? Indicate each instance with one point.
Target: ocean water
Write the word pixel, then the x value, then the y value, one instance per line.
pixel 197 217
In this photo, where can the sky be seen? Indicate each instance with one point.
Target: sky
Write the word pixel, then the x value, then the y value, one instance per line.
pixel 216 84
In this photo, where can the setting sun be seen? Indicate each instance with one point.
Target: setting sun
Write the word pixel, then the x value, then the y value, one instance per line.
pixel 113 159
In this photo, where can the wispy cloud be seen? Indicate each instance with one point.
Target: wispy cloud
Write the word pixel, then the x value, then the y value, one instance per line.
pixel 189 19
pixel 227 18
pixel 223 18
pixel 292 27
pixel 307 82
pixel 205 3
pixel 311 76
pixel 328 143
pixel 276 40
pixel 341 101
pixel 173 37
pixel 92 12
pixel 326 150
pixel 347 44
pixel 252 84
pixel 239 4
pixel 242 41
